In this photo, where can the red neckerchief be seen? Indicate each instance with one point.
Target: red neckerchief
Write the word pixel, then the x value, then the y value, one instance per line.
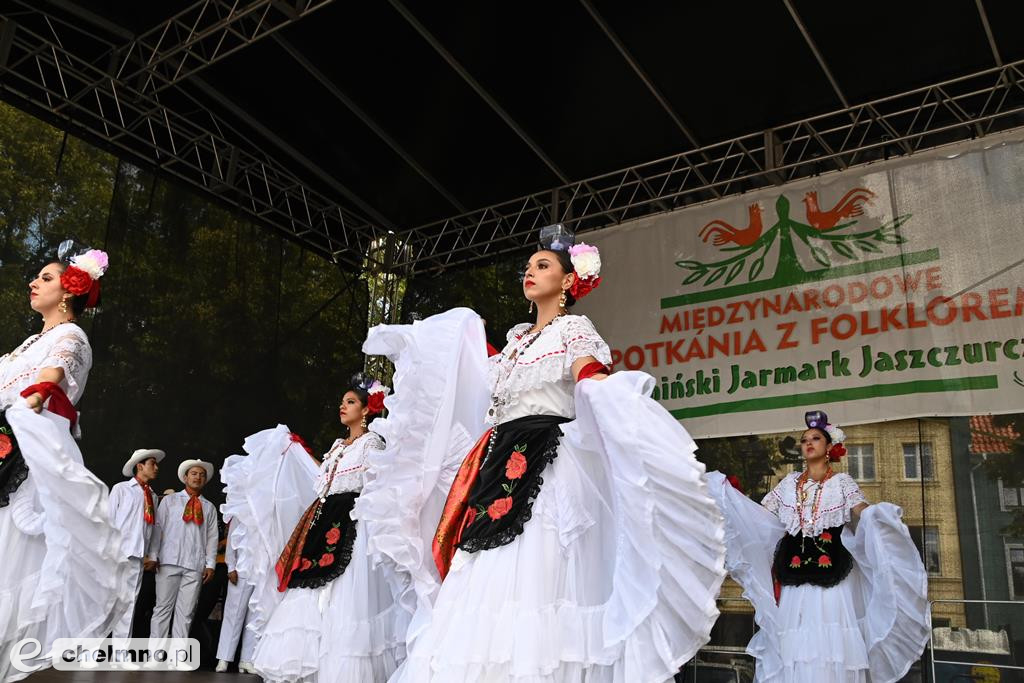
pixel 147 509
pixel 193 509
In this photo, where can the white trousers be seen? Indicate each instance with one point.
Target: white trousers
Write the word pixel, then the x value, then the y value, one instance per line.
pixel 177 591
pixel 133 582
pixel 236 616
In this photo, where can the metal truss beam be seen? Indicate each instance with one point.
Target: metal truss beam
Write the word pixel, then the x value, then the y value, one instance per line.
pixel 41 74
pixel 958 109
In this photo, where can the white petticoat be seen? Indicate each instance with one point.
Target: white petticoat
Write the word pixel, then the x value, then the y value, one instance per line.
pixel 349 631
pixel 63 574
pixel 871 627
pixel 615 576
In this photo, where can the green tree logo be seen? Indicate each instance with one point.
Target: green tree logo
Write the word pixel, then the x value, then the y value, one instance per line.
pixel 825 236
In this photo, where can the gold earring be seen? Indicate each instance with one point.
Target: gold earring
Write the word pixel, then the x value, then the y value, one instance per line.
pixel 561 300
pixel 363 422
pixel 63 306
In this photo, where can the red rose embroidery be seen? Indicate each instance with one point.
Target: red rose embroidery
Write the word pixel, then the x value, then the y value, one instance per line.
pixel 5 446
pixel 795 562
pixel 825 537
pixel 306 564
pixel 516 465
pixel 499 508
pixel 470 516
pixel 333 536
pixel 326 559
pixel 825 561
pixel 75 280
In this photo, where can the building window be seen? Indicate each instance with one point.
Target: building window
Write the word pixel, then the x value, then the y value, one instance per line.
pixel 927 538
pixel 917 461
pixel 1015 569
pixel 1010 498
pixel 860 461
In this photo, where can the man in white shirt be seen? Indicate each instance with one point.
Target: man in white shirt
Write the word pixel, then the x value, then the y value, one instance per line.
pixel 236 618
pixel 185 546
pixel 133 511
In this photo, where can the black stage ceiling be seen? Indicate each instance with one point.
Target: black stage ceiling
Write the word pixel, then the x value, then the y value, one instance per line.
pixel 336 122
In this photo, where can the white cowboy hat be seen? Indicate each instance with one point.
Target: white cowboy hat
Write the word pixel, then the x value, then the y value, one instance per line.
pixel 184 467
pixel 139 456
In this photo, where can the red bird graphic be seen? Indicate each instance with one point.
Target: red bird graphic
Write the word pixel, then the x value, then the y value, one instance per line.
pixel 722 232
pixel 848 207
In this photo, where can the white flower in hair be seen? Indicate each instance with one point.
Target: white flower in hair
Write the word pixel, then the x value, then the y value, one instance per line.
pixel 586 260
pixel 837 434
pixel 94 262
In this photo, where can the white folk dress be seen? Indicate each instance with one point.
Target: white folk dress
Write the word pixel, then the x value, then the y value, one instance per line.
pixel 614 576
pixel 64 571
pixel 871 626
pixel 348 631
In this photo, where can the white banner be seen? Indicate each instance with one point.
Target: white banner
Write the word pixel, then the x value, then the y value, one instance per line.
pixel 895 291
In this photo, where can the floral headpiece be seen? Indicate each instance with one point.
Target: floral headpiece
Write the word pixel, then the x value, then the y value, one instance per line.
pixel 375 390
pixel 817 419
pixel 83 270
pixel 586 259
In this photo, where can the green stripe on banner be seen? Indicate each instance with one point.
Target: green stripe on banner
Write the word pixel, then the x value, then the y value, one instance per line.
pixel 924 386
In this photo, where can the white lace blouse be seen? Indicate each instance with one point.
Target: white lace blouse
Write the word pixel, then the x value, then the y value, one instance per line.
pixel 344 467
pixel 840 496
pixel 539 381
pixel 64 346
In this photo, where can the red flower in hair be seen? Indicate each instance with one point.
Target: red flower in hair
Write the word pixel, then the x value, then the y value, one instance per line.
pixel 375 404
pixel 6 446
pixel 516 465
pixel 75 280
pixel 836 453
pixel 581 287
pixel 825 561
pixel 499 508
pixel 795 562
pixel 302 442
pixel 333 535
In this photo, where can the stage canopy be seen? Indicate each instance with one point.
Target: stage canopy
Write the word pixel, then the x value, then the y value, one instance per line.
pixel 454 130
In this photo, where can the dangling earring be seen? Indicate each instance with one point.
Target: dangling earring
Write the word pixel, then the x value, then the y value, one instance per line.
pixel 531 307
pixel 63 306
pixel 362 423
pixel 561 300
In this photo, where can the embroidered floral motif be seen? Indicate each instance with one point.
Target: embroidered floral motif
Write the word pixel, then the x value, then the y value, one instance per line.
pixel 824 561
pixel 6 446
pixel 326 559
pixel 516 465
pixel 499 508
pixel 825 537
pixel 306 564
pixel 795 562
pixel 470 516
pixel 333 535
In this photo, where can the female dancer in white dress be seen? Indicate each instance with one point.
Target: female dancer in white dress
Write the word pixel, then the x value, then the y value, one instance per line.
pixel 576 542
pixel 63 573
pixel 849 602
pixel 321 611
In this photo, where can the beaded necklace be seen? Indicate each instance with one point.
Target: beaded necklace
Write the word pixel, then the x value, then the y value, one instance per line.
pixel 325 491
pixel 801 497
pixel 498 402
pixel 33 339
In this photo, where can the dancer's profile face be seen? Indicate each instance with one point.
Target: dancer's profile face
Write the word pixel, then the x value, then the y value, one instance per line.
pixel 148 469
pixel 544 277
pixel 45 291
pixel 813 445
pixel 351 411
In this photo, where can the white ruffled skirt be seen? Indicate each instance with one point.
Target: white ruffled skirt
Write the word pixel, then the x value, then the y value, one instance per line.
pixel 871 627
pixel 63 573
pixel 349 631
pixel 615 575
